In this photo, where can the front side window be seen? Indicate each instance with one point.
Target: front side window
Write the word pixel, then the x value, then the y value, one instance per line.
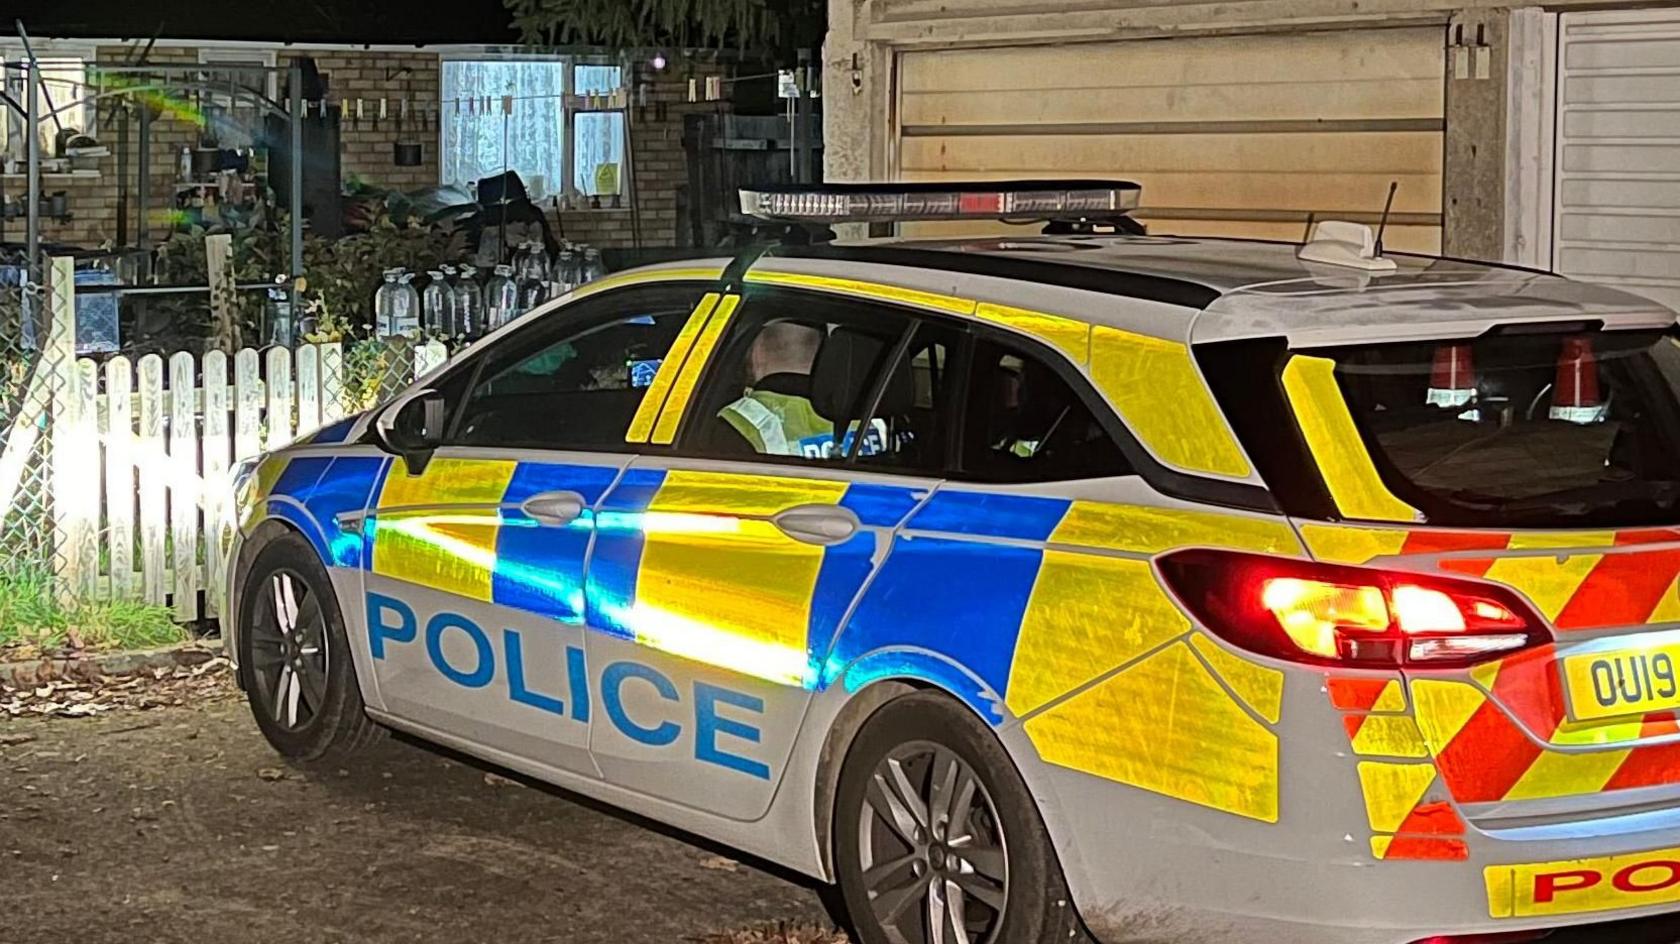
pixel 819 381
pixel 575 379
pixel 1552 429
pixel 1027 423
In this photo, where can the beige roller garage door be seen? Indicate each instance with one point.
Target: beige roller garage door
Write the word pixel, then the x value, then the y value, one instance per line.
pixel 1618 165
pixel 1239 135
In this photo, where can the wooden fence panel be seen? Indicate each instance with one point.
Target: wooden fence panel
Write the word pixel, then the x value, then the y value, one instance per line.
pixel 84 529
pixel 279 382
pixel 143 459
pixel 184 485
pixel 308 390
pixel 154 472
pixel 58 356
pixel 119 475
pixel 248 401
pixel 217 489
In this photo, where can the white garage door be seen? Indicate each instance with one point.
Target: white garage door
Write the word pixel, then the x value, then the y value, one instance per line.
pixel 1235 135
pixel 1618 160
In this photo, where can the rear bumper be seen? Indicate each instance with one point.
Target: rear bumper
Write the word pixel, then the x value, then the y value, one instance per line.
pixel 1161 875
pixel 1143 866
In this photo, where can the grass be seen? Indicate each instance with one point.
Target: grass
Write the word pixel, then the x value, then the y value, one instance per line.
pixel 32 617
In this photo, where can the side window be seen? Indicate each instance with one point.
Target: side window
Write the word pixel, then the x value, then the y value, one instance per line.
pixel 806 378
pixel 1026 422
pixel 575 379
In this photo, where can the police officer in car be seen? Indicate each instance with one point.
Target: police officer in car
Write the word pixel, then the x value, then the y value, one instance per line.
pixel 775 414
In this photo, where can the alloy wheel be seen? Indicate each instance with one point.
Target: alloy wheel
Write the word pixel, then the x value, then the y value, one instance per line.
pixel 932 851
pixel 289 651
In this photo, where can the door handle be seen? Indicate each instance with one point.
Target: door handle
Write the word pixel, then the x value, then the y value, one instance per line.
pixel 555 507
pixel 818 524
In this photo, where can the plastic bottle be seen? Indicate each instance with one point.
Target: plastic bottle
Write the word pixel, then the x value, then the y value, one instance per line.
pixel 469 304
pixel 532 292
pixel 449 280
pixel 501 298
pixel 437 306
pixel 566 271
pixel 384 305
pixel 538 262
pixel 406 311
pixel 593 267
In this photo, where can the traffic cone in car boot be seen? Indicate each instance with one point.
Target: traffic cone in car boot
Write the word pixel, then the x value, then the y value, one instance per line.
pixel 1452 381
pixel 1575 395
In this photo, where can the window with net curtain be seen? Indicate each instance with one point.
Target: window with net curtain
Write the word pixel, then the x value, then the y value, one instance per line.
pixel 480 141
pixel 598 136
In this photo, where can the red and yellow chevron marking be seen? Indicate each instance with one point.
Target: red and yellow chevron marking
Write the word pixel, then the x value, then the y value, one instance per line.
pixel 1477 735
pixel 1607 578
pixel 1504 734
pixel 1367 694
pixel 1406 822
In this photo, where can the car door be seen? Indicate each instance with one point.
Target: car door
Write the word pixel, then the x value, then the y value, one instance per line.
pixel 723 568
pixel 475 596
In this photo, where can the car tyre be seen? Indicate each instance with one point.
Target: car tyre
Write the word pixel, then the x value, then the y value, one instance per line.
pixel 301 680
pixel 933 825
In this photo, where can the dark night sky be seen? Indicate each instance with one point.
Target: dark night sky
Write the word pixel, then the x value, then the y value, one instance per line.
pixel 309 21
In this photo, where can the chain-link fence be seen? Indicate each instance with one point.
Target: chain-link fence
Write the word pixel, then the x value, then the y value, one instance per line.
pixel 27 369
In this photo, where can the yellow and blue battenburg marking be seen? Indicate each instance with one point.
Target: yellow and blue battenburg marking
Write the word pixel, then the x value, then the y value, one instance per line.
pixel 1049 608
pixel 457 527
pixel 330 434
pixel 311 492
pixel 689 563
pixel 1046 610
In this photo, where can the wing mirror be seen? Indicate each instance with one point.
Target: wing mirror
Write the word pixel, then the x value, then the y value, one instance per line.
pixel 414 428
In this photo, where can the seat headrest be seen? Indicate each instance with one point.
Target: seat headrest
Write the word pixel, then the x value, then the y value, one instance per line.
pixel 1044 396
pixel 845 370
pixel 794 385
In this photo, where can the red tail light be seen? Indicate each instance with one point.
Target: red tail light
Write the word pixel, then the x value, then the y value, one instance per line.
pixel 1328 614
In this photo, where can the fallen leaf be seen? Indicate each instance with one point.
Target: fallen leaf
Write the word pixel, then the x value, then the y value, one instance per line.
pixel 271 774
pixel 783 933
pixel 13 740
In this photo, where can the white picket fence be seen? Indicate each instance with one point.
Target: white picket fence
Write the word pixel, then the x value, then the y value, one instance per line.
pixel 142 452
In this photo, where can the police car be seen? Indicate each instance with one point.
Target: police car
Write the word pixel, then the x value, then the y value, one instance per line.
pixel 1152 588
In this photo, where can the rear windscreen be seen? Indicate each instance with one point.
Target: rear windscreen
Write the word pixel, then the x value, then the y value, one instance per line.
pixel 1577 429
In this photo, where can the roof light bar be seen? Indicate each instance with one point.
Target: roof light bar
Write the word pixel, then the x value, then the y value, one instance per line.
pixel 892 203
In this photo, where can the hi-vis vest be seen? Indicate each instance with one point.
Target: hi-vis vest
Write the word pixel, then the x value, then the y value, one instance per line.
pixel 779 424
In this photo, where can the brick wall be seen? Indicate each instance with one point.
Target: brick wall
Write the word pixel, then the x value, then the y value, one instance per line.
pixel 655 121
pixel 365 146
pixel 92 202
pixel 93 199
pixel 657 161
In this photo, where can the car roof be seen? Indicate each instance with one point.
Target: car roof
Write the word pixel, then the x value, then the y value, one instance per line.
pixel 1226 289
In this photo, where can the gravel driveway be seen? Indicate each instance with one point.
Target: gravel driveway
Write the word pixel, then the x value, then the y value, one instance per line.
pixel 180 825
